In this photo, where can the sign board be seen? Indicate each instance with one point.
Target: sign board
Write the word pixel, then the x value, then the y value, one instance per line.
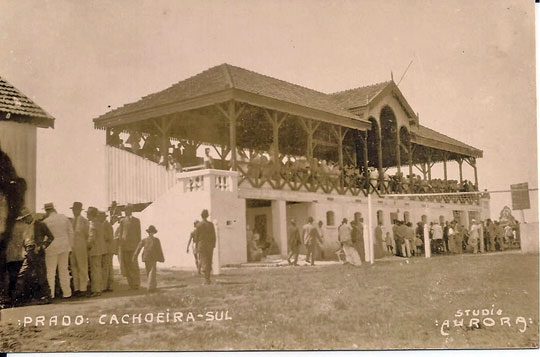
pixel 520 196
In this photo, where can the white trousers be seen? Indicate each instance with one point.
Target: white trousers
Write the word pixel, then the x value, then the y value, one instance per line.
pixel 406 248
pixel 60 261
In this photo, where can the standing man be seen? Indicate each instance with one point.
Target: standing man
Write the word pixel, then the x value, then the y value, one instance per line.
pixel 310 236
pixel 205 235
pixel 57 254
pixel 96 250
pixel 32 277
pixel 79 255
pixel 129 233
pixel 12 190
pixel 474 235
pixel 294 242
pixel 106 264
pixel 193 241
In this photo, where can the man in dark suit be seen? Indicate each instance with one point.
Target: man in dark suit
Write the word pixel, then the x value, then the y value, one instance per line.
pixel 205 234
pixel 12 190
pixel 129 234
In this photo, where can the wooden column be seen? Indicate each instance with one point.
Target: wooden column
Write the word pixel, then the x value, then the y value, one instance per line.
pixel 364 139
pixel 276 122
pixel 163 127
pixel 398 149
pixel 429 165
pixel 445 157
pixel 339 133
pixel 460 163
pixel 310 127
pixel 411 152
pixel 472 161
pixel 379 158
pixel 232 114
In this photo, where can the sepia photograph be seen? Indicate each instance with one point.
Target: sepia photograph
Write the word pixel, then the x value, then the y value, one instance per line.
pixel 301 175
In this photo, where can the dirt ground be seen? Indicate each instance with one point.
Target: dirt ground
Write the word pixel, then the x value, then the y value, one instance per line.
pixel 468 301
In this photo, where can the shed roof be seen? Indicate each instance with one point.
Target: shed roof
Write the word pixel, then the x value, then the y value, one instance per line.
pixel 15 106
pixel 429 137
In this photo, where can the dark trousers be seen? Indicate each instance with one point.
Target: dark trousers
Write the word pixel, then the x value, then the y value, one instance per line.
pixel 32 279
pixel 293 254
pixel 13 269
pixel 131 269
pixel 205 256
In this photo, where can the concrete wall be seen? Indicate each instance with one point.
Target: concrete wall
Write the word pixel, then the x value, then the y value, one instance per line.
pixel 529 237
pixel 19 142
pixel 174 212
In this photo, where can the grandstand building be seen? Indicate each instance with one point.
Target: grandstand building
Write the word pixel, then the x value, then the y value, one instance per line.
pixel 280 151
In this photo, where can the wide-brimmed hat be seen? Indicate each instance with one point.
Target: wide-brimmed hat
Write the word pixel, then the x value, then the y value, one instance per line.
pixel 151 229
pixel 76 205
pixel 25 212
pixel 48 206
pixel 92 210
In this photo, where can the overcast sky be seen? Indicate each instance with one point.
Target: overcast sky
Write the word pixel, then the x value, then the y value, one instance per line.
pixel 472 75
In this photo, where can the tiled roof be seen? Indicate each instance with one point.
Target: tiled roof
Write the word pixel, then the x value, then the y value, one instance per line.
pixel 15 106
pixel 358 97
pixel 226 76
pixel 421 132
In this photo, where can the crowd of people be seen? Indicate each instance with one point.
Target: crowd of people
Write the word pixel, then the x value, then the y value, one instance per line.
pixel 449 237
pixel 50 256
pixel 317 172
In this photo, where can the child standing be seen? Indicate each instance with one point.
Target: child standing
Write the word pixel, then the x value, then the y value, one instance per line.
pixel 152 254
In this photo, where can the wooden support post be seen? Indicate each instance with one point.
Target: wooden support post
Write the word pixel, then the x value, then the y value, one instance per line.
pixel 339 133
pixel 445 157
pixel 232 133
pixel 310 128
pixel 398 149
pixel 276 122
pixel 379 158
pixel 411 152
pixel 163 127
pixel 231 113
pixel 460 163
pixel 429 157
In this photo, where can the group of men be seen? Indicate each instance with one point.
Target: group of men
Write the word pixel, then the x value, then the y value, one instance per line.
pixel 311 236
pixel 74 252
pixel 448 238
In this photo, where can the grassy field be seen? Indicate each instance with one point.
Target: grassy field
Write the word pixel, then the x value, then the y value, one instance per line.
pixel 395 304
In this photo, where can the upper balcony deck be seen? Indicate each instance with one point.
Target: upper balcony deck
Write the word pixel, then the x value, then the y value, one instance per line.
pixel 133 179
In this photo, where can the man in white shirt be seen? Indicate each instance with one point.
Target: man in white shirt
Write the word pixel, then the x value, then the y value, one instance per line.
pixel 57 253
pixel 79 255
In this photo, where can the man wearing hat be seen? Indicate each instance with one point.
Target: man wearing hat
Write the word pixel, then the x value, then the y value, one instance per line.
pixel 32 277
pixel 152 253
pixel 106 264
pixel 129 234
pixel 79 254
pixel 96 250
pixel 12 190
pixel 57 254
pixel 205 234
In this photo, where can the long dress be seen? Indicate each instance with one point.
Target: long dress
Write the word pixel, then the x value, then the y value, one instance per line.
pixel 350 252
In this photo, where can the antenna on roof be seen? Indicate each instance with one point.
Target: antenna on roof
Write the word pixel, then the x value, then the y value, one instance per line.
pixel 406 69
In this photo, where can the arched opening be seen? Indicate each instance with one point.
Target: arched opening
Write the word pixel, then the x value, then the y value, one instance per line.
pixel 389 136
pixel 373 143
pixel 330 218
pixel 380 217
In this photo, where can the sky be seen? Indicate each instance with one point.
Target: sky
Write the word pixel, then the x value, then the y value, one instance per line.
pixel 472 75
